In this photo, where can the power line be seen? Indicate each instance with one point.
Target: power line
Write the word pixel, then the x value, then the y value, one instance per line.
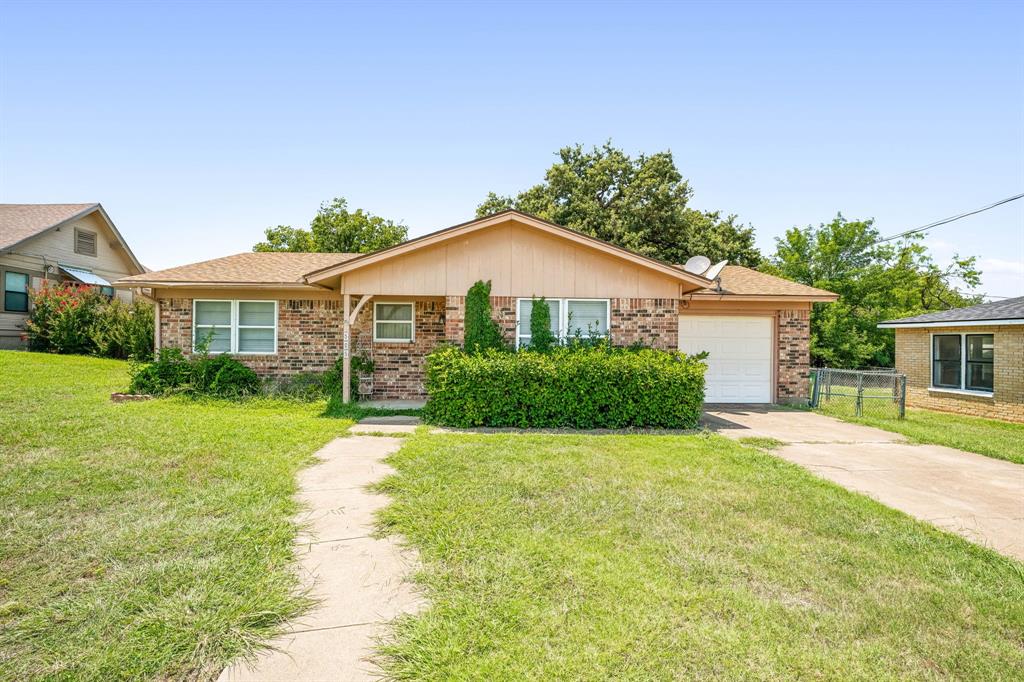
pixel 949 220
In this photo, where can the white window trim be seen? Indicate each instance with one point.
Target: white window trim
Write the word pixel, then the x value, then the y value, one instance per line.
pixel 563 314
pixel 962 390
pixel 411 322
pixel 234 325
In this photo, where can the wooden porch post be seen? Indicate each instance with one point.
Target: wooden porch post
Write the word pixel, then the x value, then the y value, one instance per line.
pixel 346 354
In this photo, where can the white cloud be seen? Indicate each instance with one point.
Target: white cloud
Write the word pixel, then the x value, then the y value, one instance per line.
pixel 1001 267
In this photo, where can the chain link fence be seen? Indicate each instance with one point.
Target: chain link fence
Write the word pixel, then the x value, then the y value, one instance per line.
pixel 860 393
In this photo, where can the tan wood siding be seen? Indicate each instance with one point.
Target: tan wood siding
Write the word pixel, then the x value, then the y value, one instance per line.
pixel 518 261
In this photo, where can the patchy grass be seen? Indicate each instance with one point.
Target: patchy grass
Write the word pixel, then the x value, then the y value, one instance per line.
pixel 680 557
pixel 147 540
pixel 990 437
pixel 765 443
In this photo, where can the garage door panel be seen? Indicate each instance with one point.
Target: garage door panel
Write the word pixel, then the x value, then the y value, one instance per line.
pixel 739 355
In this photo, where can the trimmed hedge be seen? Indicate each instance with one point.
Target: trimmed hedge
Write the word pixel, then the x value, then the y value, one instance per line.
pixel 583 388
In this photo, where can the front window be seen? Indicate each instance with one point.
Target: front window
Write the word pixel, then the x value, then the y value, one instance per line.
pixel 963 362
pixel 946 357
pixel 393 322
pixel 247 327
pixel 570 317
pixel 980 354
pixel 16 292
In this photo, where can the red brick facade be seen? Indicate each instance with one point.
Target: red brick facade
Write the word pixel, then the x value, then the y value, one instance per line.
pixel 794 355
pixel 310 339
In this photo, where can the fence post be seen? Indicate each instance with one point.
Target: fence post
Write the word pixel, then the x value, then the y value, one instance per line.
pixel 860 394
pixel 903 396
pixel 816 391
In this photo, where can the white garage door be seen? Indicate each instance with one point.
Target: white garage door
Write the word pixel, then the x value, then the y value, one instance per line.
pixel 739 355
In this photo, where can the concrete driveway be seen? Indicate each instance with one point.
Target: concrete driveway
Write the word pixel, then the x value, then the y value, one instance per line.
pixel 978 497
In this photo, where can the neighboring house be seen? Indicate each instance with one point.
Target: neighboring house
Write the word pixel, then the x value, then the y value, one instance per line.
pixel 56 243
pixel 968 360
pixel 283 313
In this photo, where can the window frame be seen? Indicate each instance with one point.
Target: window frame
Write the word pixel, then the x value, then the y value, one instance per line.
pixel 234 326
pixel 968 362
pixel 962 388
pixel 411 322
pixel 95 243
pixel 28 288
pixel 563 315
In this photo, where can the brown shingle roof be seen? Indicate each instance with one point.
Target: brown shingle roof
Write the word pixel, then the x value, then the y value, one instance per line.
pixel 740 281
pixel 244 268
pixel 18 222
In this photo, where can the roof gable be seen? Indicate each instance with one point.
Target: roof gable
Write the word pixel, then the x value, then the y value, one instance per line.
pixel 20 223
pixel 532 222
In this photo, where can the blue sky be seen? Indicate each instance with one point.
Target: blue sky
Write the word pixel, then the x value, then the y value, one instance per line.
pixel 199 124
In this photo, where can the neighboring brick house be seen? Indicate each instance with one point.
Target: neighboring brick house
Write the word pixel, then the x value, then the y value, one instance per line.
pixel 967 360
pixel 283 313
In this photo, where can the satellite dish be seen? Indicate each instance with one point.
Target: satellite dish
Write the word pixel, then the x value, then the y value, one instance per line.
pixel 715 270
pixel 697 264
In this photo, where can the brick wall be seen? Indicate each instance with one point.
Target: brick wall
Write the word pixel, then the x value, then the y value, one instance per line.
pixel 309 335
pixel 398 370
pixel 913 358
pixel 653 322
pixel 794 355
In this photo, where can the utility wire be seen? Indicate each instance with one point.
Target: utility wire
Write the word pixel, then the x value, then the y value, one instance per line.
pixel 949 220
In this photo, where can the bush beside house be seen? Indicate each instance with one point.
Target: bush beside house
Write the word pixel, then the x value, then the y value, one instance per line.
pixel 578 387
pixel 75 319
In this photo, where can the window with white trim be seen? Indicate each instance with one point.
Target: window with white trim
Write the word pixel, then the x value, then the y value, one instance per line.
pixel 243 327
pixel 570 317
pixel 393 322
pixel 963 362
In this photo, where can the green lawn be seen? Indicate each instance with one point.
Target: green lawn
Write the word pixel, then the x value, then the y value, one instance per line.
pixel 141 541
pixel 990 437
pixel 680 557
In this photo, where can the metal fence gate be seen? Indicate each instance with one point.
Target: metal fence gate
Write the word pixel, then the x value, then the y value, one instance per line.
pixel 874 392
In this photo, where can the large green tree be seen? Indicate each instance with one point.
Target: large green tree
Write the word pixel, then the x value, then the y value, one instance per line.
pixel 335 229
pixel 875 281
pixel 639 203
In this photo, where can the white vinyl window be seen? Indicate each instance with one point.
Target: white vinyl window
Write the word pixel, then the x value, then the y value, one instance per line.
pixel 242 327
pixel 586 317
pixel 393 322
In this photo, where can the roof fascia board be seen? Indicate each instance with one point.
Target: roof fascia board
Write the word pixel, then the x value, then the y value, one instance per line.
pixel 950 323
pixel 120 239
pixel 198 284
pixel 818 298
pixel 473 226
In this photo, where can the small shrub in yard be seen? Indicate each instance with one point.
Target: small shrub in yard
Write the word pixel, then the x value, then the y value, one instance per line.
pixel 585 387
pixel 220 375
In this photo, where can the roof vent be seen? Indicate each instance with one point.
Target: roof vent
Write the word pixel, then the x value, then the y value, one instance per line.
pixel 697 264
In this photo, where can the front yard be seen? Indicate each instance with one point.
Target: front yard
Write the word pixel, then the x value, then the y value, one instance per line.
pixel 681 557
pixel 153 541
pixel 141 541
pixel 990 437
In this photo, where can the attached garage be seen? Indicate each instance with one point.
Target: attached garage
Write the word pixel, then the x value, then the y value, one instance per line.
pixel 739 355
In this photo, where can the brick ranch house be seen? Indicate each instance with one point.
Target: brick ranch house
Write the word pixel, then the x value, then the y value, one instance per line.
pixel 283 313
pixel 967 360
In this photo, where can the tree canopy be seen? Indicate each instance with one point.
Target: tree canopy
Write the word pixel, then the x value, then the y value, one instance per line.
pixel 875 282
pixel 335 229
pixel 637 203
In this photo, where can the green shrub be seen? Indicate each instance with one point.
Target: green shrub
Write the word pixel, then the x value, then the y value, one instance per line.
pixel 482 332
pixel 74 319
pixel 585 387
pixel 542 339
pixel 172 372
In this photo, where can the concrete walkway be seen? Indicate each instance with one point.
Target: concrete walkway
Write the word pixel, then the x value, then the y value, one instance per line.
pixel 978 497
pixel 360 580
